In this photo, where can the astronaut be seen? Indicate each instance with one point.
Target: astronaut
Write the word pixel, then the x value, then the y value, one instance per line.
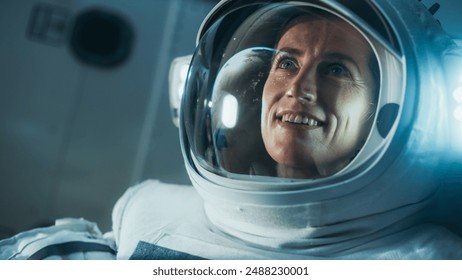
pixel 310 130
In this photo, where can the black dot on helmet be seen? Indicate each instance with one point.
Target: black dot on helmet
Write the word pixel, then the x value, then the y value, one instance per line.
pixel 386 118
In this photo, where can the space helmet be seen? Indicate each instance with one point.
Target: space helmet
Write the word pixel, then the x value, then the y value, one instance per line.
pixel 307 114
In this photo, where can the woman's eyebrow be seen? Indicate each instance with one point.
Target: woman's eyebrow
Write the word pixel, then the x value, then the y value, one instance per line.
pixel 336 56
pixel 291 51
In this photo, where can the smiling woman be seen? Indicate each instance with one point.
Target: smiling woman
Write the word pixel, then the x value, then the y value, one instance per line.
pixel 304 86
pixel 319 99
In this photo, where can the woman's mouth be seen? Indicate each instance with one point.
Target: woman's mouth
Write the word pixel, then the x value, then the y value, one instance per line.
pixel 299 119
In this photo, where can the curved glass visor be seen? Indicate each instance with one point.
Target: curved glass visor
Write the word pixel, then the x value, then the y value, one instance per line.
pixel 290 92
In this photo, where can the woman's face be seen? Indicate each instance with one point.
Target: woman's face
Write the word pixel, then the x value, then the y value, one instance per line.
pixel 318 99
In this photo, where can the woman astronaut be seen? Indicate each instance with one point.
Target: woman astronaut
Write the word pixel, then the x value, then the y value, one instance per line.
pixel 310 130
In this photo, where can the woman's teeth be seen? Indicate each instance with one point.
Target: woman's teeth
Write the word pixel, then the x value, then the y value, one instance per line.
pixel 299 119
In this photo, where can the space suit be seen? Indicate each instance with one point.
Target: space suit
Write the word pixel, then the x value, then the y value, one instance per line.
pixel 264 82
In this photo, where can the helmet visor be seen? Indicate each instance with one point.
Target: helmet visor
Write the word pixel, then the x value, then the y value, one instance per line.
pixel 289 92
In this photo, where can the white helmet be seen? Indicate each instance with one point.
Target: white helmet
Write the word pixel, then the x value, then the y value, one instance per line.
pixel 324 122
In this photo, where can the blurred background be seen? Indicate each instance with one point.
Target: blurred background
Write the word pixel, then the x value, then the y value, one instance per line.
pixel 84 107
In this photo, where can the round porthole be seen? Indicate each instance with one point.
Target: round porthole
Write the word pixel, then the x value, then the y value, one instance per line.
pixel 101 38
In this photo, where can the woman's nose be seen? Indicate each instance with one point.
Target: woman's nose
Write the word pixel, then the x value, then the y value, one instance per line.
pixel 304 86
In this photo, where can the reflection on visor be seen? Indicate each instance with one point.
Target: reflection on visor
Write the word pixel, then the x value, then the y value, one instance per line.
pixel 301 106
pixel 239 148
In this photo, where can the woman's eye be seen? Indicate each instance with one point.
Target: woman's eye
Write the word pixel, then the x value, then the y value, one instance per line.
pixel 337 70
pixel 286 63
